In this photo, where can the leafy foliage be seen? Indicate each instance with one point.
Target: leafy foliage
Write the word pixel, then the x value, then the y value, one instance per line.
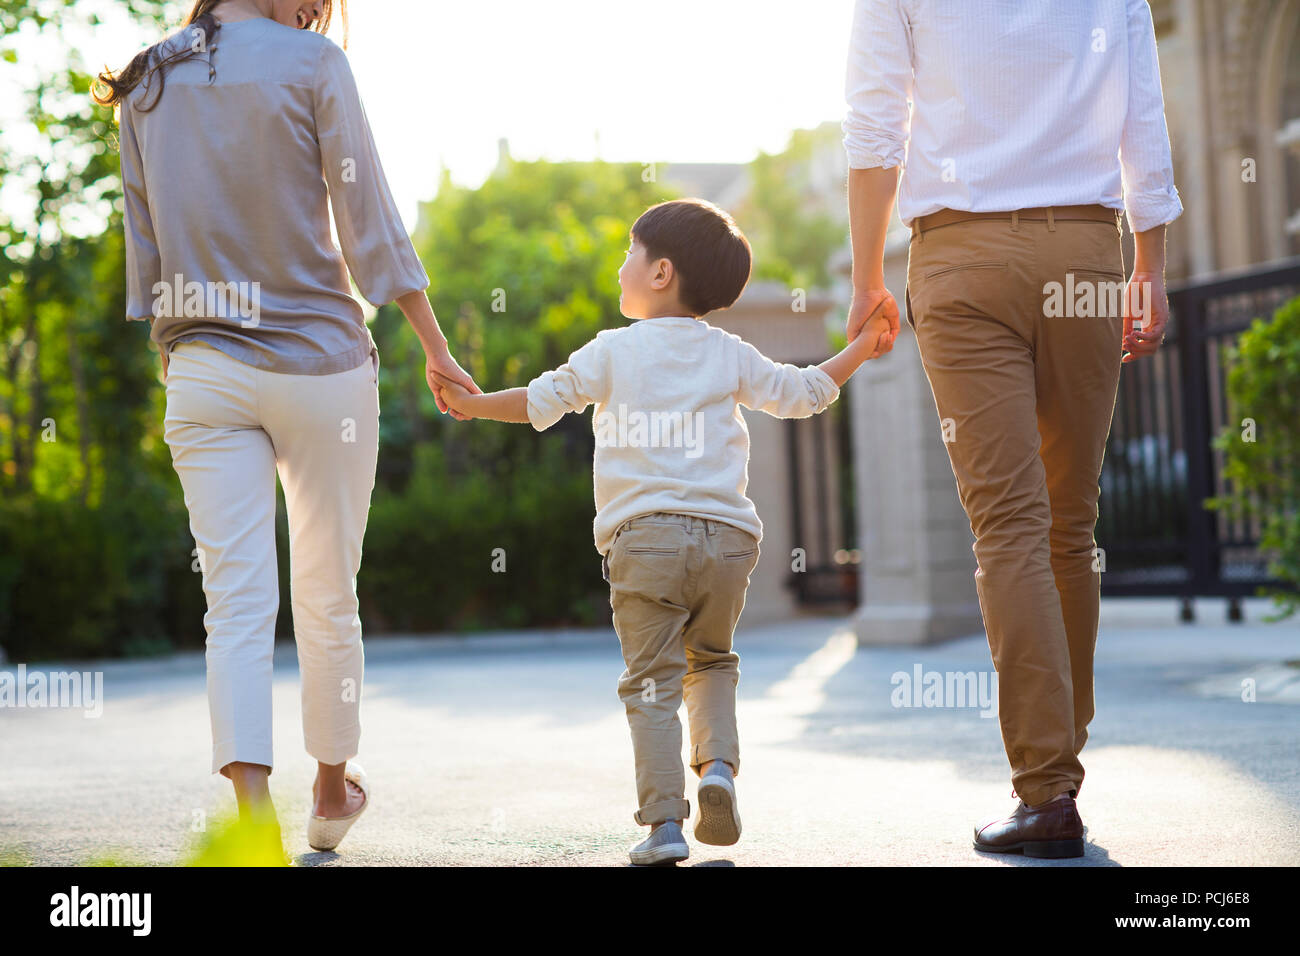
pixel 93 549
pixel 1262 463
pixel 524 271
pixel 794 231
pixel 95 552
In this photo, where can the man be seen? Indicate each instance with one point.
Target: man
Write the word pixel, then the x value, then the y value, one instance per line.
pixel 1032 123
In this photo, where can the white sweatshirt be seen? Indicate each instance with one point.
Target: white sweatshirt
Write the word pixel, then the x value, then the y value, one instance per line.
pixel 669 432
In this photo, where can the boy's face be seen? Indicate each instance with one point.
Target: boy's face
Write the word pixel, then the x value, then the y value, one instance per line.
pixel 643 282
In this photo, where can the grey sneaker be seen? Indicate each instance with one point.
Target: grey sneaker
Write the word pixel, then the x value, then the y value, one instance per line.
pixel 665 844
pixel 717 821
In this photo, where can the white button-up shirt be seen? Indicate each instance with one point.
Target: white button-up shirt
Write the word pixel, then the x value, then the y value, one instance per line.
pixel 1014 104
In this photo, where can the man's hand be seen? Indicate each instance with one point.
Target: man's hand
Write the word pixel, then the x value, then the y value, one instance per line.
pixel 1146 314
pixel 441 368
pixel 875 312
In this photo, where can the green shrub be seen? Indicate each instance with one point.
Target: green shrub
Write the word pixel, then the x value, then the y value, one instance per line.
pixel 96 580
pixel 1261 447
pixel 430 549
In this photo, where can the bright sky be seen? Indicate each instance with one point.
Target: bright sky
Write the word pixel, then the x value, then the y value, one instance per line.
pixel 622 80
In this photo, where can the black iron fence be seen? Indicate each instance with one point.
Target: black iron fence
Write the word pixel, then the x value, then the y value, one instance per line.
pixel 823 514
pixel 1156 535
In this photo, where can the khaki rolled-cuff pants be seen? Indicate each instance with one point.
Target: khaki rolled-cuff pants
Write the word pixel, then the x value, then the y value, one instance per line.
pixel 677 587
pixel 230 428
pixel 1019 321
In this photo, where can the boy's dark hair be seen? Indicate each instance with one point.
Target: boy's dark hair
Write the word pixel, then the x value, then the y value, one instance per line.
pixel 709 252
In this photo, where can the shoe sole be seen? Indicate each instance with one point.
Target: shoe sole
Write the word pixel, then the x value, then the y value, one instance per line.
pixel 326 833
pixel 716 821
pixel 1038 849
pixel 668 853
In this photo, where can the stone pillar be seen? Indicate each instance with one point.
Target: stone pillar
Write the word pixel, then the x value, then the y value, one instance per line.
pixel 766 317
pixel 917 570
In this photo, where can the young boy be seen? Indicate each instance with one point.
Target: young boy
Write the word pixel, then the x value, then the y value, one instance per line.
pixel 678 535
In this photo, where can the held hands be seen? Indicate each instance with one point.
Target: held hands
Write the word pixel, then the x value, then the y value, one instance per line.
pixel 1146 314
pixel 453 395
pixel 872 326
pixel 873 316
pixel 441 372
pixel 873 313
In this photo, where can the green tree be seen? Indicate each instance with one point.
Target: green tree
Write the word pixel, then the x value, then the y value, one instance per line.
pixel 524 271
pixel 793 228
pixel 94 554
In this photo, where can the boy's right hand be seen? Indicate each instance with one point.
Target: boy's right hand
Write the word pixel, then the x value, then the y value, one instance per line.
pixel 440 366
pixel 453 395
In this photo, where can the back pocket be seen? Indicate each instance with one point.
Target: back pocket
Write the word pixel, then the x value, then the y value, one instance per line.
pixel 1112 274
pixel 964 267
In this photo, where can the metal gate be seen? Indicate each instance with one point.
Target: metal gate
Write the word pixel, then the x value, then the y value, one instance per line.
pixel 1156 535
pixel 819 459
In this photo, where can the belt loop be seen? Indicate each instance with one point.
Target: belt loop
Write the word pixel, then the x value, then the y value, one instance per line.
pixel 1015 220
pixel 1051 219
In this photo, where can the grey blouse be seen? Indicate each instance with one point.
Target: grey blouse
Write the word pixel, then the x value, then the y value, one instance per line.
pixel 227 184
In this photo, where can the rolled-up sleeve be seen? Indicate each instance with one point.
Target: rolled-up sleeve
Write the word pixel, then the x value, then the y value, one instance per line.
pixel 878 85
pixel 781 390
pixel 579 382
pixel 374 242
pixel 1150 198
pixel 143 263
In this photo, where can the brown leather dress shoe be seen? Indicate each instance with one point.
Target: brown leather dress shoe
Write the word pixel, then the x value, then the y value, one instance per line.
pixel 1053 831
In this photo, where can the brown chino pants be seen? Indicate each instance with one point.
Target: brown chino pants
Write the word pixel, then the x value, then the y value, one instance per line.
pixel 1024 380
pixel 677 586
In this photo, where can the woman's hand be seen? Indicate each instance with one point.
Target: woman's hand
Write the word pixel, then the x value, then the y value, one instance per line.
pixel 439 364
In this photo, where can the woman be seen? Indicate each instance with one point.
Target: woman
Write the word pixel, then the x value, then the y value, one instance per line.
pixel 237 134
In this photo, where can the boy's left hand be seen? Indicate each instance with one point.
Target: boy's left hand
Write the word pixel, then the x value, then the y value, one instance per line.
pixel 876 336
pixel 866 311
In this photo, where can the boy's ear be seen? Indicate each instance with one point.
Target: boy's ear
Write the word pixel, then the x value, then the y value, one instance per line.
pixel 663 274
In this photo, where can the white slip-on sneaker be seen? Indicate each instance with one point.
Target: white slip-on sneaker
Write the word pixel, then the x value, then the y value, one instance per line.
pixel 717 819
pixel 665 844
pixel 325 833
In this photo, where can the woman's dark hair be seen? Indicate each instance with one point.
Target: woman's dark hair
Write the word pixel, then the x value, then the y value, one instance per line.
pixel 148 62
pixel 709 252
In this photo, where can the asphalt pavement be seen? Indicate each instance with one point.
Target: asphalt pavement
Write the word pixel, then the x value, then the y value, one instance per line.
pixel 512 749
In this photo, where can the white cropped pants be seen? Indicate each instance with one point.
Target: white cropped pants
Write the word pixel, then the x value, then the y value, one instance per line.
pixel 230 428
